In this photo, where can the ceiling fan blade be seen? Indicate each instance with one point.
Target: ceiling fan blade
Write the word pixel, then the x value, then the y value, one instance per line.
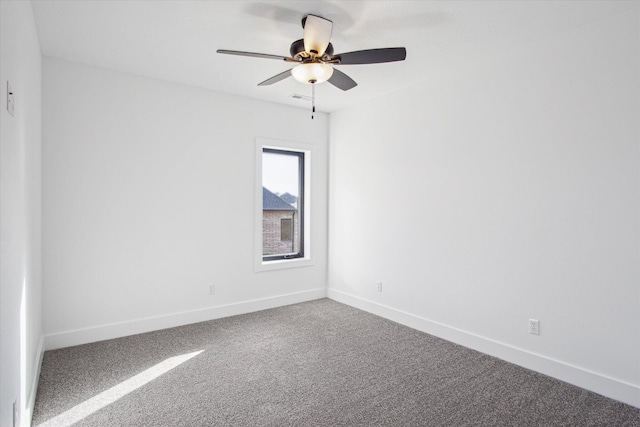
pixel 341 80
pixel 371 56
pixel 275 79
pixel 257 55
pixel 317 34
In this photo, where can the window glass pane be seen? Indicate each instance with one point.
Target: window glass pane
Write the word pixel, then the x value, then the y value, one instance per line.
pixel 282 204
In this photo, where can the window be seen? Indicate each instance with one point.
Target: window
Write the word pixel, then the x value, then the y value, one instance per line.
pixel 282 204
pixel 282 200
pixel 286 230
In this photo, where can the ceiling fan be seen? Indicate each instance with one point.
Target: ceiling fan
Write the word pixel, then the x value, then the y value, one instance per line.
pixel 314 56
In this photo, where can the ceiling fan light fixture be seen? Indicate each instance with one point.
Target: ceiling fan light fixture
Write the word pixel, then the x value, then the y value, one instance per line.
pixel 312 72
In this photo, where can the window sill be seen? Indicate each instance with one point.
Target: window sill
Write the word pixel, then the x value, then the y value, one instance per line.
pixel 282 264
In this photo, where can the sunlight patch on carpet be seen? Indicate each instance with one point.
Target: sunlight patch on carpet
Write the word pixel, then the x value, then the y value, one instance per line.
pixel 111 395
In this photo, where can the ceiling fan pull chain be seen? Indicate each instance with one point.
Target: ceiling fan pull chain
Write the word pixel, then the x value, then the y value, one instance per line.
pixel 313 100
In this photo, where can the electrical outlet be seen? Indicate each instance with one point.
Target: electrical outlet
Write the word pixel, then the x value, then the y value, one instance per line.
pixel 379 286
pixel 534 327
pixel 212 289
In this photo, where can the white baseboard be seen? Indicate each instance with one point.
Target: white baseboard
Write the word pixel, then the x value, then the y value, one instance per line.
pixel 593 381
pixel 148 324
pixel 33 391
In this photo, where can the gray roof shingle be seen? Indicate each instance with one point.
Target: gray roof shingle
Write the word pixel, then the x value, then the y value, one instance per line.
pixel 271 202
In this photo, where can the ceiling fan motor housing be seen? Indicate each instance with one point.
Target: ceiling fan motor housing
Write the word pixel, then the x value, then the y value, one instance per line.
pixel 297 48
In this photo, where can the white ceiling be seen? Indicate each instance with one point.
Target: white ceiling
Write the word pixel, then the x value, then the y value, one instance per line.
pixel 176 40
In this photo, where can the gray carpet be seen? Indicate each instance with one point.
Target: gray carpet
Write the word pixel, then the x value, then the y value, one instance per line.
pixel 319 363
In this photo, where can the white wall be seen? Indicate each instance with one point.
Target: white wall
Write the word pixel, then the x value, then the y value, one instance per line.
pixel 148 197
pixel 20 248
pixel 505 191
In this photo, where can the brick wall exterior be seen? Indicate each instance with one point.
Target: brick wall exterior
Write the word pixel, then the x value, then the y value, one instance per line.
pixel 271 243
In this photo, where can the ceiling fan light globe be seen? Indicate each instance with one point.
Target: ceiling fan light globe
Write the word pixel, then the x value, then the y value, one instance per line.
pixel 312 73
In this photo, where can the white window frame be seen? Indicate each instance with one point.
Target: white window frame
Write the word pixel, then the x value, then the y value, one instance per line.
pixel 259 263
